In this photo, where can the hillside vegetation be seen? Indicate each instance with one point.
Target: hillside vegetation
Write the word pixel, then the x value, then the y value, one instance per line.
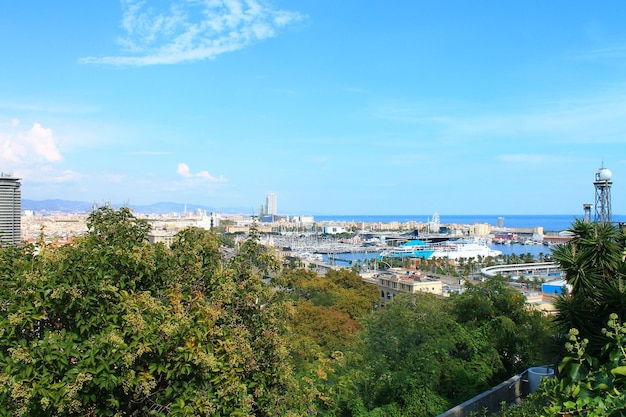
pixel 115 326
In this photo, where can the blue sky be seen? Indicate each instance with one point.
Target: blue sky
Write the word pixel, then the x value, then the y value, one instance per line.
pixel 337 107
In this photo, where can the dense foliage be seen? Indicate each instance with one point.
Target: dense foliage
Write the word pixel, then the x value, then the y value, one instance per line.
pixel 418 360
pixel 324 329
pixel 588 386
pixel 591 370
pixel 418 355
pixel 422 354
pixel 593 263
pixel 113 325
pixel 500 314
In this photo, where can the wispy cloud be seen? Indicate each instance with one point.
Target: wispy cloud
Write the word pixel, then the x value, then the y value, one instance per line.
pixel 415 112
pixel 611 52
pixel 67 175
pixel 593 119
pixel 49 108
pixel 355 90
pixel 526 159
pixel 192 30
pixel 322 159
pixel 184 171
pixel 150 153
pixel 114 178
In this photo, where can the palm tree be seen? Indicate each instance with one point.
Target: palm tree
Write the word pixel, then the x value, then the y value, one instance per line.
pixel 594 267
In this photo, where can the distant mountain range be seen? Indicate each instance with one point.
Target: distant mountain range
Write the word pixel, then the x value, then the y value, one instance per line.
pixel 68 206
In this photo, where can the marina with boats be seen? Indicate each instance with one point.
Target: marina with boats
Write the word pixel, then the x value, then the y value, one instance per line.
pixel 347 252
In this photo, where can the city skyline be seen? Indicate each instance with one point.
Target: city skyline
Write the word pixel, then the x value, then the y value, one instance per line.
pixel 337 108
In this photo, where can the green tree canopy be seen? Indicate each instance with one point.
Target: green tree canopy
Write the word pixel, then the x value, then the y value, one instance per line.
pixel 591 371
pixel 113 325
pixel 324 329
pixel 519 333
pixel 593 264
pixel 416 359
pixel 342 289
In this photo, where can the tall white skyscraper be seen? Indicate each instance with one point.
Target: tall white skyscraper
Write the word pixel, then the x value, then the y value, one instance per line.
pixel 10 210
pixel 270 204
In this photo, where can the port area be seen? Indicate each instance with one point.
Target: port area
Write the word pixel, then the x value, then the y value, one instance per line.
pixel 439 276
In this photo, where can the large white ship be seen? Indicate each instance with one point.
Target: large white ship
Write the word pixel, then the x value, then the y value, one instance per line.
pixel 458 250
pixel 450 250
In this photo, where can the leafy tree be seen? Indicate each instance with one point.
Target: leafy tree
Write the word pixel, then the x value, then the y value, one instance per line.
pixel 116 326
pixel 253 258
pixel 518 333
pixel 324 330
pixel 196 255
pixel 593 264
pixel 591 374
pixel 341 289
pixel 417 360
pixel 116 227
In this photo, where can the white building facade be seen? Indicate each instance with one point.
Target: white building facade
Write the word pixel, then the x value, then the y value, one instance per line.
pixel 10 210
pixel 271 207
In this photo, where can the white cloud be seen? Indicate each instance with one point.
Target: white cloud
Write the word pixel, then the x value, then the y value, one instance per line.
pixel 40 140
pixel 184 171
pixel 67 175
pixel 35 145
pixel 192 30
pixel 205 175
pixel 32 154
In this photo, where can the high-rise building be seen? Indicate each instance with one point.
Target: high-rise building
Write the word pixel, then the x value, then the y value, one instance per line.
pixel 270 206
pixel 10 210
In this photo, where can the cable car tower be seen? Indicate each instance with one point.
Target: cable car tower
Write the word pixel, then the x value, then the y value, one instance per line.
pixel 603 195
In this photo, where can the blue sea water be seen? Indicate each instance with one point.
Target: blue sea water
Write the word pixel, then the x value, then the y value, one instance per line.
pixel 549 222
